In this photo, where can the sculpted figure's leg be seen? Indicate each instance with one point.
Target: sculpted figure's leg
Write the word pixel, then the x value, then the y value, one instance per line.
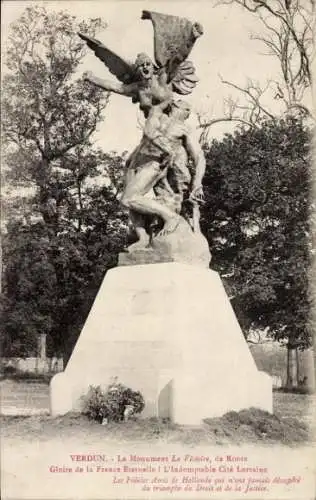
pixel 170 225
pixel 134 196
pixel 139 227
pixel 180 173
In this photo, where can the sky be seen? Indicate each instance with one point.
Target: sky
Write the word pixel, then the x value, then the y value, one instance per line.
pixel 225 50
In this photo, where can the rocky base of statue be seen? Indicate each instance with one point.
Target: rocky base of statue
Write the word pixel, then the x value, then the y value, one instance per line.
pixel 182 245
pixel 167 330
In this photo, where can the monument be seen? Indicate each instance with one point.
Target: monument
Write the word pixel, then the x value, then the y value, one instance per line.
pixel 161 322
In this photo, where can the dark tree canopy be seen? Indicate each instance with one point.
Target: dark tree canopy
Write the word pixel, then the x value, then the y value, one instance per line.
pixel 257 220
pixel 67 232
pixel 49 284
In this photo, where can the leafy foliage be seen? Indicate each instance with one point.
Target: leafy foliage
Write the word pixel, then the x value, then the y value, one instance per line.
pixel 49 283
pixel 49 114
pixel 70 227
pixel 112 403
pixel 29 290
pixel 256 218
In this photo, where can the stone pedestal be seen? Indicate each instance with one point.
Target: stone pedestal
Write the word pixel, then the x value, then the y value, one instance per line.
pixel 169 331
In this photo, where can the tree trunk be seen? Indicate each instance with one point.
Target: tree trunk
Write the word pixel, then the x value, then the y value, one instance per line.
pixel 41 349
pixel 80 205
pixel 291 376
pixel 298 374
pixel 0 265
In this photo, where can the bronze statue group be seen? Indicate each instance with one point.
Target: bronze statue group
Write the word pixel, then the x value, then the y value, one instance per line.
pixel 158 176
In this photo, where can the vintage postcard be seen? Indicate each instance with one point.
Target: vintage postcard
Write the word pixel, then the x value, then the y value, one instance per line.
pixel 157 286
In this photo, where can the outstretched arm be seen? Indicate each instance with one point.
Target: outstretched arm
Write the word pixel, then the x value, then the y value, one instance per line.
pixel 119 88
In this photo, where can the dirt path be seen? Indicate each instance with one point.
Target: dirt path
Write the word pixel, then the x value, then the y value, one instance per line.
pixel 22 398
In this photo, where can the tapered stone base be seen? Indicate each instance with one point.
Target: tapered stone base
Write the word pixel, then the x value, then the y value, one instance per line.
pixel 169 331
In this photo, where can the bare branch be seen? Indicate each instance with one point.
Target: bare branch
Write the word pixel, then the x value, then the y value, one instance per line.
pixel 288 36
pixel 254 93
pixel 260 342
pixel 209 123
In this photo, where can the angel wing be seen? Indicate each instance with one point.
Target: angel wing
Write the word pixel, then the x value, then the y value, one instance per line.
pixel 185 79
pixel 174 38
pixel 123 70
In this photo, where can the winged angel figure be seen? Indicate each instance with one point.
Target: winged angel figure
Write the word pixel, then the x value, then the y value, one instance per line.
pixel 149 83
pixel 166 143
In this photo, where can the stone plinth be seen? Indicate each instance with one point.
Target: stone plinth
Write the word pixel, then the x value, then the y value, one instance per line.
pixel 169 331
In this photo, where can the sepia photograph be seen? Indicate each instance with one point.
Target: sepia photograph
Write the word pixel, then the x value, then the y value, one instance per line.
pixel 157 256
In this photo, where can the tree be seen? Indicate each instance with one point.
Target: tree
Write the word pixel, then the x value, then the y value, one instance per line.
pixel 256 218
pixel 29 291
pixel 49 114
pixel 69 231
pixel 286 29
pixel 49 284
pixel 286 33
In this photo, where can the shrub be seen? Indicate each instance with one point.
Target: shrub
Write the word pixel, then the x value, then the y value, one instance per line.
pixel 115 404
